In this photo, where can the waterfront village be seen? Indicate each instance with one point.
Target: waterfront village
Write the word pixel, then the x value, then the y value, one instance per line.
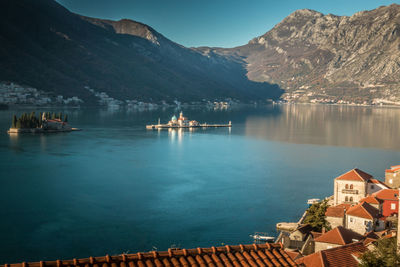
pixel 13 94
pixel 357 226
pixel 337 231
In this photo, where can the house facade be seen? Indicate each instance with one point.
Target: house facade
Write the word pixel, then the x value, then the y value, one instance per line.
pixel 351 187
pixel 363 218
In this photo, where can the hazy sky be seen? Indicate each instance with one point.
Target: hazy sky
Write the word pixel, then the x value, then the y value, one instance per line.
pixel 223 23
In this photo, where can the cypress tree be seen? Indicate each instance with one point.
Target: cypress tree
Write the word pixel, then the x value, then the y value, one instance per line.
pixel 14 122
pixel 40 119
pixel 59 116
pixel 32 120
pixel 65 118
pixel 53 116
pixel 18 124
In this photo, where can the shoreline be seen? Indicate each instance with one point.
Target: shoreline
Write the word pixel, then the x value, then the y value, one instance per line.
pixel 39 130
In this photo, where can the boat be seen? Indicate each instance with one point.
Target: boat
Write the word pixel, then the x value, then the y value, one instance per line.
pixel 260 236
pixel 313 201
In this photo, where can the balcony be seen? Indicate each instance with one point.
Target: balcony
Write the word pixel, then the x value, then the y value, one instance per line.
pixel 349 191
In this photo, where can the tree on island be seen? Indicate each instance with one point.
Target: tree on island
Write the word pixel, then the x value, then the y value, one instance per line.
pixel 65 118
pixel 316 216
pixel 40 119
pixel 31 121
pixel 14 122
pixel 384 254
pixel 18 124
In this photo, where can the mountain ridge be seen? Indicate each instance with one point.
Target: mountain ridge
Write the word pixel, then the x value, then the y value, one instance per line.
pixel 48 47
pixel 350 58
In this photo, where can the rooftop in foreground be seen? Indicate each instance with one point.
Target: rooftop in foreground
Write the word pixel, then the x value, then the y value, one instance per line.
pixel 231 256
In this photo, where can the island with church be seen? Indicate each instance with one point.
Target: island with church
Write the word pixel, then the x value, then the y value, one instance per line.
pixel 183 122
pixel 46 122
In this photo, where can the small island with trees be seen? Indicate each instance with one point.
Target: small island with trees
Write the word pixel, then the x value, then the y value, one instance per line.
pixel 46 122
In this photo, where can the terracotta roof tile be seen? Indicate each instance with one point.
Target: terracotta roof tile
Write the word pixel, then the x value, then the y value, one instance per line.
pixel 339 236
pixel 363 210
pixel 316 234
pixel 335 257
pixel 337 211
pixel 293 254
pixel 393 168
pixel 355 175
pixel 368 240
pixel 371 200
pixel 387 194
pixel 228 256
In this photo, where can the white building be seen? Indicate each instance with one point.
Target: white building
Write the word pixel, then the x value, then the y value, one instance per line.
pixel 351 187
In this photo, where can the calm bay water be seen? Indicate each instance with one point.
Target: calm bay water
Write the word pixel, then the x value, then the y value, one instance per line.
pixel 116 187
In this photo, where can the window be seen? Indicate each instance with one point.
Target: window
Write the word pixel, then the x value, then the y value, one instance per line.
pixel 351 219
pixel 351 186
pixel 372 186
pixel 347 186
pixel 393 206
pixel 365 223
pixel 346 199
pixel 351 199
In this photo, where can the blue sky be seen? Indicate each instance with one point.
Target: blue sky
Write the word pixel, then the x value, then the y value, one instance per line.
pixel 222 23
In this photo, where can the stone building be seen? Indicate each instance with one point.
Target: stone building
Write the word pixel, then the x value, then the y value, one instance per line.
pixel 392 176
pixel 335 215
pixel 351 187
pixel 363 218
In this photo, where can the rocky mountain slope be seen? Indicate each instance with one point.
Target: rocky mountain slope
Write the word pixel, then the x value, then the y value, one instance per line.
pixel 328 57
pixel 45 46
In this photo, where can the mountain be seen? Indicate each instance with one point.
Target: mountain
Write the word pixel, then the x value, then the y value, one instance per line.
pixel 46 46
pixel 317 56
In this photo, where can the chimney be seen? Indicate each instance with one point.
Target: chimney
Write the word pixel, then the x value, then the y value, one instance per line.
pixel 323 230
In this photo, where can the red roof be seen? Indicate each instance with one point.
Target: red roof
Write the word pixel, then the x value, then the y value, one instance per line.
pixel 293 254
pixel 371 200
pixel 363 210
pixel 387 194
pixel 337 211
pixel 339 236
pixel 355 175
pixel 393 168
pixel 229 256
pixel 335 257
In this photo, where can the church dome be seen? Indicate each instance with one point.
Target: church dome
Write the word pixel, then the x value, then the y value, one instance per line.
pixel 173 118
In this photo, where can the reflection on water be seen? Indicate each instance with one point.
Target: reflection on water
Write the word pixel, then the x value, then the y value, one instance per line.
pixel 330 125
pixel 122 187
